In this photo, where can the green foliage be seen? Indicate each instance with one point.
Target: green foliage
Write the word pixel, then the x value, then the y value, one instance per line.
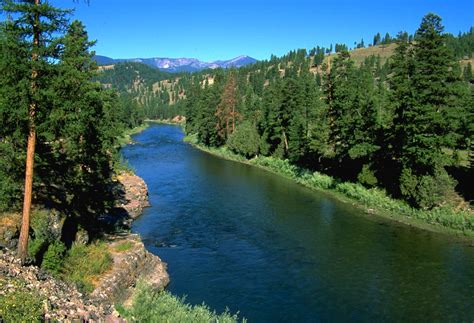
pixel 85 262
pixel 428 191
pixel 149 305
pixel 43 223
pixel 191 138
pixel 367 176
pixel 317 180
pixel 276 165
pixel 245 140
pixel 18 303
pixel 53 258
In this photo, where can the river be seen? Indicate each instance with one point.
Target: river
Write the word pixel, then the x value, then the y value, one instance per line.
pixel 239 237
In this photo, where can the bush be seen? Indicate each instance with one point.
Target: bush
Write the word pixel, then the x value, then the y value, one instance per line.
pixel 427 191
pixel 19 304
pixel 367 177
pixel 317 180
pixel 84 263
pixel 279 166
pixel 149 305
pixel 45 228
pixel 245 140
pixel 53 258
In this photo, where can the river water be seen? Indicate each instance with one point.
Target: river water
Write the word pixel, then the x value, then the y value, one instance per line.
pixel 239 237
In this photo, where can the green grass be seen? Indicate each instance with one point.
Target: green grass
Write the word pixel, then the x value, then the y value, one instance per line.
pixel 126 137
pixel 456 221
pixel 124 246
pixel 85 263
pixel 149 305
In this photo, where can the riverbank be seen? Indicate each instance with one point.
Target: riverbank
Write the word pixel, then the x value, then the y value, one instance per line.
pixel 91 278
pixel 126 138
pixel 374 202
pixel 177 120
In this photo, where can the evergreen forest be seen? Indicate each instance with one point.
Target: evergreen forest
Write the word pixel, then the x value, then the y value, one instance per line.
pixel 402 123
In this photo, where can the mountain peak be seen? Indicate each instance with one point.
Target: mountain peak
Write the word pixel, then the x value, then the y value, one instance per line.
pixel 180 64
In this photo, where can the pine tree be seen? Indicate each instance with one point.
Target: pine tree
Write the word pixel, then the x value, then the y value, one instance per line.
pixel 467 73
pixel 377 39
pixel 226 110
pixel 37 24
pixel 78 136
pixel 423 84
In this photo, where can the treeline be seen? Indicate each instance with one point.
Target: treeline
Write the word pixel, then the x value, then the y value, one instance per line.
pixel 160 95
pixel 405 126
pixel 151 94
pixel 47 93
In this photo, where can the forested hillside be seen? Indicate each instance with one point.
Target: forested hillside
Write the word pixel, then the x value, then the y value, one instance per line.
pixel 395 115
pixel 160 94
pixel 404 125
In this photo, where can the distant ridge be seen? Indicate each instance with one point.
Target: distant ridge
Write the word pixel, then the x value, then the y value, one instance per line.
pixel 179 64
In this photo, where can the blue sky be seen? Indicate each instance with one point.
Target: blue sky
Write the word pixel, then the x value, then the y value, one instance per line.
pixel 211 29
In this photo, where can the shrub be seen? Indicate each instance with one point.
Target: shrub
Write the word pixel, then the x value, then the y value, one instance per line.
pixel 367 177
pixel 84 263
pixel 427 191
pixel 191 138
pixel 317 180
pixel 19 304
pixel 279 166
pixel 53 258
pixel 150 305
pixel 245 140
pixel 45 225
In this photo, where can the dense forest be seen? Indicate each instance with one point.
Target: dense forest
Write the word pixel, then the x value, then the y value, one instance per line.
pixel 405 125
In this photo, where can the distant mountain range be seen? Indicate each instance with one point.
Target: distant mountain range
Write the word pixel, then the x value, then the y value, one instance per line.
pixel 179 64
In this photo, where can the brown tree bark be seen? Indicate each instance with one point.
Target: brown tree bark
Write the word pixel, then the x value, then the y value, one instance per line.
pixel 30 151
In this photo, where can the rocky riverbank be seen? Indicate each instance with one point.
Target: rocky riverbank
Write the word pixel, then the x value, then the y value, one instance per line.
pixel 131 262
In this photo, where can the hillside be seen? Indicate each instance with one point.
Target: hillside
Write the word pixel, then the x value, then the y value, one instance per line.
pixel 160 91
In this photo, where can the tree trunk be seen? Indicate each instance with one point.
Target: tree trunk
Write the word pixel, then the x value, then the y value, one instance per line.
pixel 30 151
pixel 233 118
pixel 285 141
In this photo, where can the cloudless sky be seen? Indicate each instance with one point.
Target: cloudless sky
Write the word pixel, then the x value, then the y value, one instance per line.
pixel 223 29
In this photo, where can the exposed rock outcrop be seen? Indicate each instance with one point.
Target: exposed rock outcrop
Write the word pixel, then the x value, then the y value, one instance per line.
pixel 131 263
pixel 131 260
pixel 132 194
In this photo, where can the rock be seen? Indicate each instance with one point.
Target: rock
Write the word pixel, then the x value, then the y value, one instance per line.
pixel 82 237
pixel 129 266
pixel 9 230
pixel 132 194
pixel 179 119
pixel 62 301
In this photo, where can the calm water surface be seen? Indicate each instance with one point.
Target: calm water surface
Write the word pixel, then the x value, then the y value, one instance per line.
pixel 236 236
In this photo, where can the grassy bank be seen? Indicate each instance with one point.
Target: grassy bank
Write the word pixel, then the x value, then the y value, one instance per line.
pixel 149 305
pixel 126 137
pixel 373 201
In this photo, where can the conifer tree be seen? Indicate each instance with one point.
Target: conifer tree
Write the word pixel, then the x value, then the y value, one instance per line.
pixel 423 83
pixel 36 24
pixel 226 110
